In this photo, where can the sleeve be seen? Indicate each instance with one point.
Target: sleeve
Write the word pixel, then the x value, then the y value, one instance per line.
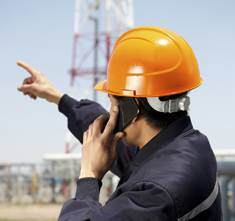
pixel 144 201
pixel 80 115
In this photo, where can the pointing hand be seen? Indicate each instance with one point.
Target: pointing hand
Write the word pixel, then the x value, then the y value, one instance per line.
pixel 37 85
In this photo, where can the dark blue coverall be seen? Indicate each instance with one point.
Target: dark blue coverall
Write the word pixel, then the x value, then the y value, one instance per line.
pixel 172 178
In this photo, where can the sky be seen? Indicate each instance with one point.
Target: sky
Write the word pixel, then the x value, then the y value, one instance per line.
pixel 40 33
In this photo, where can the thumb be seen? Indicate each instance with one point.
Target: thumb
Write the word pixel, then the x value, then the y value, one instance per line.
pixel 27 88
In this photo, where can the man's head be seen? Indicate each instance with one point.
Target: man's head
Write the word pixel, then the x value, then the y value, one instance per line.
pixel 147 120
pixel 155 68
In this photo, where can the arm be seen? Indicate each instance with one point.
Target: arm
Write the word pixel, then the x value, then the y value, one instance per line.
pixel 144 201
pixel 138 201
pixel 80 114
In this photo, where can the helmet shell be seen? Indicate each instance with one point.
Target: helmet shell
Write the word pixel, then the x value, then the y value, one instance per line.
pixel 150 62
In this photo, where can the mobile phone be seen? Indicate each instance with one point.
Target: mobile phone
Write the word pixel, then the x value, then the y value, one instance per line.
pixel 128 109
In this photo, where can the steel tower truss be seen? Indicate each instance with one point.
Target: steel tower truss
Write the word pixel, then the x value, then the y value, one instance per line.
pixel 97 24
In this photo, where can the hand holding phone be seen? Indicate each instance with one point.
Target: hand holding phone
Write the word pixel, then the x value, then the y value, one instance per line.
pixel 128 109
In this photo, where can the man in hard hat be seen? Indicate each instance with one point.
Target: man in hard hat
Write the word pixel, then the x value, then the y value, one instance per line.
pixel 167 169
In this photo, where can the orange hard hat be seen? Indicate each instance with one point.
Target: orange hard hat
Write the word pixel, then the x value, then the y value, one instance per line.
pixel 150 62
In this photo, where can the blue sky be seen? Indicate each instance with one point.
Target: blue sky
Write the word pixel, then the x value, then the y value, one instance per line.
pixel 40 32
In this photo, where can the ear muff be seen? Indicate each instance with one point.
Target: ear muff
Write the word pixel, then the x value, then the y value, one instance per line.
pixel 166 106
pixel 169 106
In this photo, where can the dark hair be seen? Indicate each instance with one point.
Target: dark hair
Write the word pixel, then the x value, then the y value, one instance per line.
pixel 158 119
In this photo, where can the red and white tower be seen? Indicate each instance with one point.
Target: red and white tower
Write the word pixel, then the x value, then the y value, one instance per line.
pixel 97 24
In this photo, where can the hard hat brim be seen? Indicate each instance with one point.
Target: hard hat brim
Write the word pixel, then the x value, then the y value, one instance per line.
pixel 101 86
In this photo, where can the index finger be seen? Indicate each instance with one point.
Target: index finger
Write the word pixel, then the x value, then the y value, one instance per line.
pixel 28 68
pixel 99 123
pixel 112 121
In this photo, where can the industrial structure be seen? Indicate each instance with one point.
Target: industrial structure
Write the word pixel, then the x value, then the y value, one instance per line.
pixel 226 172
pixel 97 24
pixel 53 181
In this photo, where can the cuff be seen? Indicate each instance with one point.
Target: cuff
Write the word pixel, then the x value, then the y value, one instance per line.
pixel 88 188
pixel 65 104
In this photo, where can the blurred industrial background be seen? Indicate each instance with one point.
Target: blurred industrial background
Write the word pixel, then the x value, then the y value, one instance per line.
pixel 71 41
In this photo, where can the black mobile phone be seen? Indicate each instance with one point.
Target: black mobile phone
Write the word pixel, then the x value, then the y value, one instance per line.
pixel 128 109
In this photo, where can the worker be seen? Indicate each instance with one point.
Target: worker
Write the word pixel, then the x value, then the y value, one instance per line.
pixel 167 168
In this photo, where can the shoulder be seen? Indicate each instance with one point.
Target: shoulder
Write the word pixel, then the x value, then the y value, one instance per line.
pixel 185 168
pixel 147 197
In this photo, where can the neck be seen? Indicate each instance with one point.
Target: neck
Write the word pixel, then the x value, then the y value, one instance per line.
pixel 146 134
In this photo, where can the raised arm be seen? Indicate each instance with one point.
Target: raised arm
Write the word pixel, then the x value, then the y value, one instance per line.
pixel 137 200
pixel 80 114
pixel 37 85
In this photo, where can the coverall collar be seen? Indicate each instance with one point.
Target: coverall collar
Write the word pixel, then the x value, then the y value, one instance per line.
pixel 158 142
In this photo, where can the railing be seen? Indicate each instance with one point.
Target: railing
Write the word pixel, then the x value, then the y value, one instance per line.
pixel 226 173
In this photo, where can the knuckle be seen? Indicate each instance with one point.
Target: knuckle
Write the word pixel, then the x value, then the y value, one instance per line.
pixel 98 119
pixel 110 124
pixel 102 141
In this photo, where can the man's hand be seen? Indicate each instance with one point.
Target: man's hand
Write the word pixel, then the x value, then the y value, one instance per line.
pixel 37 85
pixel 99 148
